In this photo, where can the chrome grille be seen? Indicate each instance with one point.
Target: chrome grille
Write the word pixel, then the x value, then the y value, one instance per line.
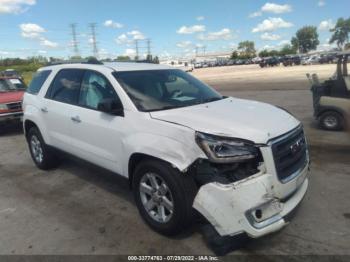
pixel 290 154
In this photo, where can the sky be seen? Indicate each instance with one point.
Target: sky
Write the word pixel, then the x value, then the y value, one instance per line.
pixel 175 28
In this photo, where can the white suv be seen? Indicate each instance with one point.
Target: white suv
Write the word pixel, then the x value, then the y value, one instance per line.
pixel 241 164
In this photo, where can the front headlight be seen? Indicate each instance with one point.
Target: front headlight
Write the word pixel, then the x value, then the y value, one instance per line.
pixel 3 107
pixel 226 150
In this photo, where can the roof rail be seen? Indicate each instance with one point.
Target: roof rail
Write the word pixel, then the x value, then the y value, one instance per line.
pixel 90 61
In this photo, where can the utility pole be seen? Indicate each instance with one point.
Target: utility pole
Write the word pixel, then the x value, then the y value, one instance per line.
pixel 137 49
pixel 204 49
pixel 94 41
pixel 75 41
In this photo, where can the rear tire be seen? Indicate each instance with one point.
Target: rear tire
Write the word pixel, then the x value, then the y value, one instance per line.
pixel 174 203
pixel 332 121
pixel 42 155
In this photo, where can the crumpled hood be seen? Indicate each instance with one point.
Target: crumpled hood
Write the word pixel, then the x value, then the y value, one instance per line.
pixel 9 97
pixel 232 117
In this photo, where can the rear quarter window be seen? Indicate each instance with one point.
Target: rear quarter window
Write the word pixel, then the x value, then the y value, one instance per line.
pixel 38 81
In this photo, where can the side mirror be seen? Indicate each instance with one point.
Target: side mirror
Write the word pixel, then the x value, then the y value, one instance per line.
pixel 111 106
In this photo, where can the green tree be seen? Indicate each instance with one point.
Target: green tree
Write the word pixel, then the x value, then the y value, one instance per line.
pixel 246 49
pixel 264 53
pixel 122 58
pixel 287 50
pixel 295 43
pixel 341 33
pixel 306 39
pixel 234 55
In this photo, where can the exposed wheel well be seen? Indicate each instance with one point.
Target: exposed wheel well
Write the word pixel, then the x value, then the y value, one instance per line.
pixel 28 125
pixel 137 158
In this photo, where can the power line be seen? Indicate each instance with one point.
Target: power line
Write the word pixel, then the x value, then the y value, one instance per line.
pixel 94 41
pixel 75 41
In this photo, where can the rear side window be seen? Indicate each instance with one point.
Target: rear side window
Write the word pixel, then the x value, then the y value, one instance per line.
pixel 66 86
pixel 38 81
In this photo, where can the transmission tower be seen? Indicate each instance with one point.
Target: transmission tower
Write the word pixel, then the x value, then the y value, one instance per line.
pixel 137 49
pixel 149 47
pixel 94 41
pixel 197 48
pixel 75 41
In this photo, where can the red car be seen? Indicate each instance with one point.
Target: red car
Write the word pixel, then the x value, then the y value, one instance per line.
pixel 11 95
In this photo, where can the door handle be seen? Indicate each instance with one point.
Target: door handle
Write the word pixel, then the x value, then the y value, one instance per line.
pixel 44 110
pixel 76 119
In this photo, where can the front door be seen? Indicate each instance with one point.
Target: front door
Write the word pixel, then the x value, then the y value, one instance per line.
pixel 97 136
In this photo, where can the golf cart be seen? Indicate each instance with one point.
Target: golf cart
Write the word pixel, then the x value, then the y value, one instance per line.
pixel 331 99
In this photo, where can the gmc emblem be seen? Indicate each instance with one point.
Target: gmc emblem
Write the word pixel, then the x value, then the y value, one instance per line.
pixel 296 147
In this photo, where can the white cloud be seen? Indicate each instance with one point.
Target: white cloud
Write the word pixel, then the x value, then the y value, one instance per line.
pixel 326 25
pixel 255 14
pixel 91 40
pixel 271 24
pixel 276 8
pixel 200 18
pixel 47 43
pixel 283 43
pixel 130 52
pixel 129 37
pixel 15 6
pixel 112 24
pixel 272 8
pixel 42 52
pixel 123 39
pixel 224 34
pixel 32 31
pixel 35 32
pixel 321 3
pixel 184 44
pixel 270 37
pixel 191 29
pixel 136 35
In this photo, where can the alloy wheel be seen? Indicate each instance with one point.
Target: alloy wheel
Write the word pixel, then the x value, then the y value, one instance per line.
pixel 156 197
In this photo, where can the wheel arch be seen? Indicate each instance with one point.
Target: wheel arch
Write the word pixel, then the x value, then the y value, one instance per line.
pixel 137 158
pixel 325 109
pixel 28 124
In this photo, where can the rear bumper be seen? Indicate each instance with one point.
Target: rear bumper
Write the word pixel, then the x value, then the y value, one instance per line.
pixel 249 206
pixel 14 116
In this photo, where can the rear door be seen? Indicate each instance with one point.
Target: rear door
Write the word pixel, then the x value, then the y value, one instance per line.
pixel 61 97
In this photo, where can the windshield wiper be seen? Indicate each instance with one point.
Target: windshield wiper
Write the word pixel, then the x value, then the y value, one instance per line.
pixel 212 99
pixel 166 108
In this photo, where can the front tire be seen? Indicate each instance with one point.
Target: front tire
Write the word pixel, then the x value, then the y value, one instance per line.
pixel 164 196
pixel 332 121
pixel 43 156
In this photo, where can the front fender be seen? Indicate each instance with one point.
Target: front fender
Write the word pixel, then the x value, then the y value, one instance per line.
pixel 180 154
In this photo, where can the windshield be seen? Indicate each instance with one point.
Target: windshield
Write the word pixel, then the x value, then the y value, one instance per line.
pixel 7 85
pixel 155 90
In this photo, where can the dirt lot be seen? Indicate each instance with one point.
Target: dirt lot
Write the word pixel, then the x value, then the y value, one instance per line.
pixel 80 209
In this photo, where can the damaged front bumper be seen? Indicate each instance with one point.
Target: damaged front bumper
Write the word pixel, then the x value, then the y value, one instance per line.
pixel 250 206
pixel 13 116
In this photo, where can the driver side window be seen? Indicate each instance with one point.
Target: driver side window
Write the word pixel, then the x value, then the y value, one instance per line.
pixel 95 88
